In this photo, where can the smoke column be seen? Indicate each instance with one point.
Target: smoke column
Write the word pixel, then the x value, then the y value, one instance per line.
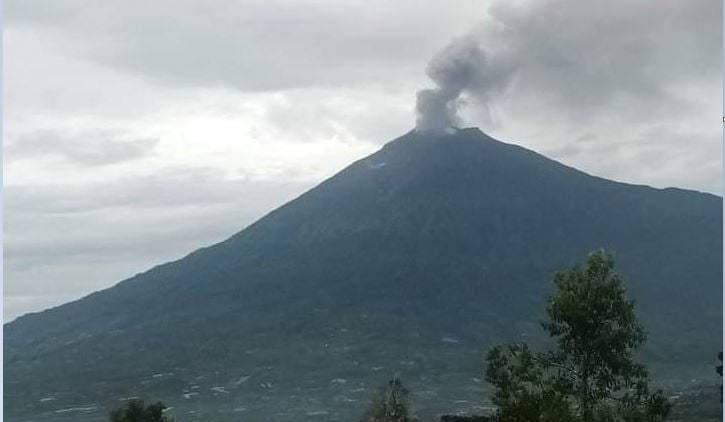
pixel 453 69
pixel 462 66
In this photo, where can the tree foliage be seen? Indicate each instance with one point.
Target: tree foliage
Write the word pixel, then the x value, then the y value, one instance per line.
pixel 591 374
pixel 389 405
pixel 138 411
pixel 718 369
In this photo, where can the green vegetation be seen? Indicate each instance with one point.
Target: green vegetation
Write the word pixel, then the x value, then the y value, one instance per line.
pixel 138 411
pixel 591 374
pixel 389 405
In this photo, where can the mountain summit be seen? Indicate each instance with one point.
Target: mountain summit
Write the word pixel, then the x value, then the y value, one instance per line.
pixel 413 261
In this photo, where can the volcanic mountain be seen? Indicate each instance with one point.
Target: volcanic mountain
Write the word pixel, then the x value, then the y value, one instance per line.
pixel 413 261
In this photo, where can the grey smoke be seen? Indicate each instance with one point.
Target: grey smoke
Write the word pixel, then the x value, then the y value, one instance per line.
pixel 578 63
pixel 462 67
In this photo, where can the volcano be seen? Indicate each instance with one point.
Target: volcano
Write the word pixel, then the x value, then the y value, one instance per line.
pixel 413 262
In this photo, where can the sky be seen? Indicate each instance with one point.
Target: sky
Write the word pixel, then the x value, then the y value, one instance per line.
pixel 136 132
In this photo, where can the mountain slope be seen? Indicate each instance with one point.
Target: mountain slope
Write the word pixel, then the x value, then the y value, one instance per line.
pixel 414 260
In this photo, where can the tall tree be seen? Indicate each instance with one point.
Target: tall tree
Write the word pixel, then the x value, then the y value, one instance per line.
pixel 138 411
pixel 591 374
pixel 389 405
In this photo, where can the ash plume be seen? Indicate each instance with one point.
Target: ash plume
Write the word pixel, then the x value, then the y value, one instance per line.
pixel 463 66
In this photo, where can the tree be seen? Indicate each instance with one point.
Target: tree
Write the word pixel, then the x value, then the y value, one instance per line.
pixel 591 374
pixel 389 405
pixel 138 411
pixel 718 369
pixel 523 393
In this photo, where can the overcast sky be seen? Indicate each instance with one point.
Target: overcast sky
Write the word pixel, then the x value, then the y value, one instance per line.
pixel 137 131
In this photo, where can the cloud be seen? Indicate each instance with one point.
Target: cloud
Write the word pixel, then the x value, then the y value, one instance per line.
pixel 585 58
pixel 168 188
pixel 90 149
pixel 250 45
